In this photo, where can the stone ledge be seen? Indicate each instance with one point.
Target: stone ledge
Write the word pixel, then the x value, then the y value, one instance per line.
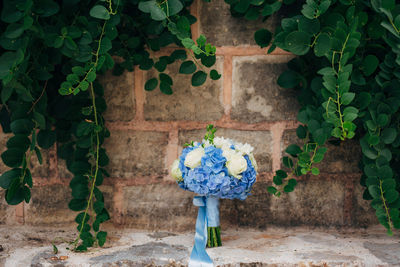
pixel 30 246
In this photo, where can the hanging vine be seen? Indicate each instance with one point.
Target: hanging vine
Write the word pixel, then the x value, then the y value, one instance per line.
pixel 51 55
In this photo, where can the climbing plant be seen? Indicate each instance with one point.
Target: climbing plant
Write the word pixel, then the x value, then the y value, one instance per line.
pixel 347 75
pixel 52 53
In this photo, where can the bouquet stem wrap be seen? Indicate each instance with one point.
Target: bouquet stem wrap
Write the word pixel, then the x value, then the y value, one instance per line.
pixel 207 219
pixel 213 226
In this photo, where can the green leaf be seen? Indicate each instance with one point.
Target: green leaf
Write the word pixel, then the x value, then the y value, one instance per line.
pixel 20 141
pixel 277 180
pixel 310 26
pixel 101 238
pixel 373 140
pixel 6 93
pixel 293 150
pixel 174 6
pixel 287 162
pixel 391 195
pixel 187 67
pixel 289 79
pixel 179 54
pixel 13 157
pixel 382 120
pixel 208 61
pixel 100 12
pixel 214 75
pixel 369 64
pixel 14 30
pixel 389 135
pixel 199 78
pixel 38 155
pixel 22 126
pixel 263 37
pixel 388 184
pixel 165 78
pixel 165 88
pixel 301 132
pixel 46 138
pixel 40 120
pixel 288 188
pixel 7 177
pixel 347 98
pixel 298 42
pixel 322 45
pixel 188 43
pixel 272 190
pixel 374 191
pixel 77 204
pixel 98 206
pixel 151 84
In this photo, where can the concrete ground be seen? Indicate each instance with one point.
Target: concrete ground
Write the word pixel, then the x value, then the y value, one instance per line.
pixel 31 246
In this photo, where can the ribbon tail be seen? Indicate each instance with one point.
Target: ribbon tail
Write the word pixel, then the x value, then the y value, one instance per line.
pixel 199 256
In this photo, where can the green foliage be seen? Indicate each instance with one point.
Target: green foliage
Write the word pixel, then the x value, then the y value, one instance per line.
pixel 348 77
pixel 52 53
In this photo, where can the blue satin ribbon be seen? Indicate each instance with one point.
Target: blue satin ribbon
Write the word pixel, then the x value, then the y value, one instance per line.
pixel 199 256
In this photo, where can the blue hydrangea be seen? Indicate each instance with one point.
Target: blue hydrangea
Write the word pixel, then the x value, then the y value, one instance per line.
pixel 211 178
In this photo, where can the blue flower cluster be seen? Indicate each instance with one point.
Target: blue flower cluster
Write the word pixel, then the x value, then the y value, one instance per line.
pixel 211 178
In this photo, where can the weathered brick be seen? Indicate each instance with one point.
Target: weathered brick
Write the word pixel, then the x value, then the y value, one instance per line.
pixel 362 215
pixel 260 140
pixel 222 29
pixel 312 203
pixel 49 206
pixel 256 96
pixel 201 103
pixel 342 158
pixel 136 153
pixel 7 212
pixel 159 207
pixel 119 96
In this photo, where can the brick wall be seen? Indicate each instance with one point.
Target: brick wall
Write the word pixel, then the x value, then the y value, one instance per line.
pixel 148 130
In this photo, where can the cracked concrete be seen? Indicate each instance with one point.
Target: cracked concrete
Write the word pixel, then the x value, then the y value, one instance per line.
pixel 31 246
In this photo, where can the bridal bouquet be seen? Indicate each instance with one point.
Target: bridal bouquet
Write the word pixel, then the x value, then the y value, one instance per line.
pixel 215 168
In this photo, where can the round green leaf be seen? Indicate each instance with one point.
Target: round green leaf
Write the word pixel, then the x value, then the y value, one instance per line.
pixel 298 42
pixel 99 12
pixel 263 37
pixel 77 204
pixel 151 84
pixel 199 78
pixel 187 67
pixel 369 64
pixel 293 149
pixel 310 26
pixel 165 88
pixel 46 138
pixel 101 238
pixel 214 75
pixel 20 141
pixel 7 177
pixel 13 157
pixel 22 126
pixel 208 61
pixel 322 45
pixel 289 79
pixel 389 135
pixel 391 195
pixel 165 78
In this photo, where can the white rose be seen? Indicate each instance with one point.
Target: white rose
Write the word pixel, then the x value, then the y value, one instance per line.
pixel 227 152
pixel 236 164
pixel 175 171
pixel 221 142
pixel 193 158
pixel 244 149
